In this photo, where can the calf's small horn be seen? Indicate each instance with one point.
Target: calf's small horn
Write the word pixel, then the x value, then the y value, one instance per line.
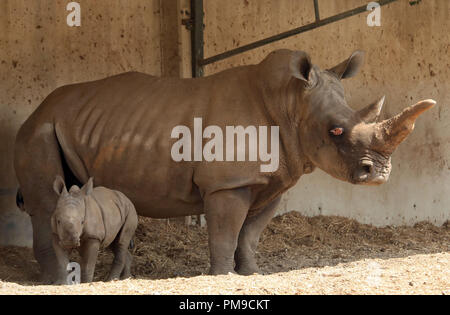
pixel 392 132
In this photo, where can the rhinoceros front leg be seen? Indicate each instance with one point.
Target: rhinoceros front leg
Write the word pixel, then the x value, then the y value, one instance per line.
pixel 89 253
pixel 249 239
pixel 225 213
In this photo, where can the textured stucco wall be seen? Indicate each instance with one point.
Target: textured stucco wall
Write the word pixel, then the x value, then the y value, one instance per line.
pixel 408 59
pixel 39 52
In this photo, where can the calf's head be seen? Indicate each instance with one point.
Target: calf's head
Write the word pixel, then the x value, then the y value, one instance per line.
pixel 350 145
pixel 68 219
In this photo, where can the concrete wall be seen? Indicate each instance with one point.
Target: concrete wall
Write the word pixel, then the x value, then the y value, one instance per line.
pixel 39 52
pixel 408 59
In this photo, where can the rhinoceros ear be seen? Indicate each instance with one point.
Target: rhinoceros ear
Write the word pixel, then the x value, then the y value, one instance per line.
pixel 88 187
pixel 301 67
pixel 350 67
pixel 59 186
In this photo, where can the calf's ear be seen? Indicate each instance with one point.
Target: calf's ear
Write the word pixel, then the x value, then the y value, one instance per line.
pixel 88 187
pixel 59 186
pixel 350 67
pixel 302 68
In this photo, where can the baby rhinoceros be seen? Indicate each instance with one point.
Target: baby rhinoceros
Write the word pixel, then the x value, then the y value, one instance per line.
pixel 89 219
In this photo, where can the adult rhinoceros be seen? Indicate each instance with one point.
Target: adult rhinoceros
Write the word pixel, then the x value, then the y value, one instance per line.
pixel 119 130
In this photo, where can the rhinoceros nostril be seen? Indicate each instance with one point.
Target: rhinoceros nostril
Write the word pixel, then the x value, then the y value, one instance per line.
pixel 367 169
pixel 364 172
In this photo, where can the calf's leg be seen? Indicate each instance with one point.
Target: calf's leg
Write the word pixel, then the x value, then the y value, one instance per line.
pixel 121 268
pixel 89 253
pixel 120 259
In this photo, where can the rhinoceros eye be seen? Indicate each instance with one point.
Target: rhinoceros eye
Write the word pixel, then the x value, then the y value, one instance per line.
pixel 337 131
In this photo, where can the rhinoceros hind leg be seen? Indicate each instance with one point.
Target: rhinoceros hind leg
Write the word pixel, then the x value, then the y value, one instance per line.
pixel 249 238
pixel 126 273
pixel 37 161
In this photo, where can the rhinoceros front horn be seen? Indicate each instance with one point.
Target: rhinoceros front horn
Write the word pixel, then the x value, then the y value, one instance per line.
pixel 390 133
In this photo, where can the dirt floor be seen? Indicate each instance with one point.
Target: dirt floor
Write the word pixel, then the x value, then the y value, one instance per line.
pixel 298 255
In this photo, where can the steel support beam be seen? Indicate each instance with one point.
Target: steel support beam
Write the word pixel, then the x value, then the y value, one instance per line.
pixel 316 10
pixel 197 41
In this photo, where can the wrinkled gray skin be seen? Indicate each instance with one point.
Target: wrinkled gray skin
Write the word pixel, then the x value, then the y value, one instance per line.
pixel 119 131
pixel 88 219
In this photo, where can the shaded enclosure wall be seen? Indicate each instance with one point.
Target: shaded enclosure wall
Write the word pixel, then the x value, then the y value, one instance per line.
pixel 39 52
pixel 408 59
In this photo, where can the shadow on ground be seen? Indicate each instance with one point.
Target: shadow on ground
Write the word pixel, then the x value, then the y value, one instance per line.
pixel 291 242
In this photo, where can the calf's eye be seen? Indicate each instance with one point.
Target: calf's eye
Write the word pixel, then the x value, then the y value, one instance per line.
pixel 337 131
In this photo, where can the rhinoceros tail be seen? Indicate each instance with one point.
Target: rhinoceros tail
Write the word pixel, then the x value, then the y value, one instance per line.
pixel 131 246
pixel 19 200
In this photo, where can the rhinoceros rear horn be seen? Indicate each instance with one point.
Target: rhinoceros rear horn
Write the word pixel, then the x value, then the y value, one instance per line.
pixel 372 112
pixel 393 131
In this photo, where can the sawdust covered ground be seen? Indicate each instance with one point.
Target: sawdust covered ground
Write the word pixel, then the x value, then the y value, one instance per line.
pixel 298 255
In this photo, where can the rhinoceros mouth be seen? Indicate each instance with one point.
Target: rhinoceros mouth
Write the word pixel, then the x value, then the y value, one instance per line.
pixel 376 181
pixel 70 244
pixel 370 181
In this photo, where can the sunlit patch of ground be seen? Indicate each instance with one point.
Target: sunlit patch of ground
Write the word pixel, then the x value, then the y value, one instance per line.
pixel 299 255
